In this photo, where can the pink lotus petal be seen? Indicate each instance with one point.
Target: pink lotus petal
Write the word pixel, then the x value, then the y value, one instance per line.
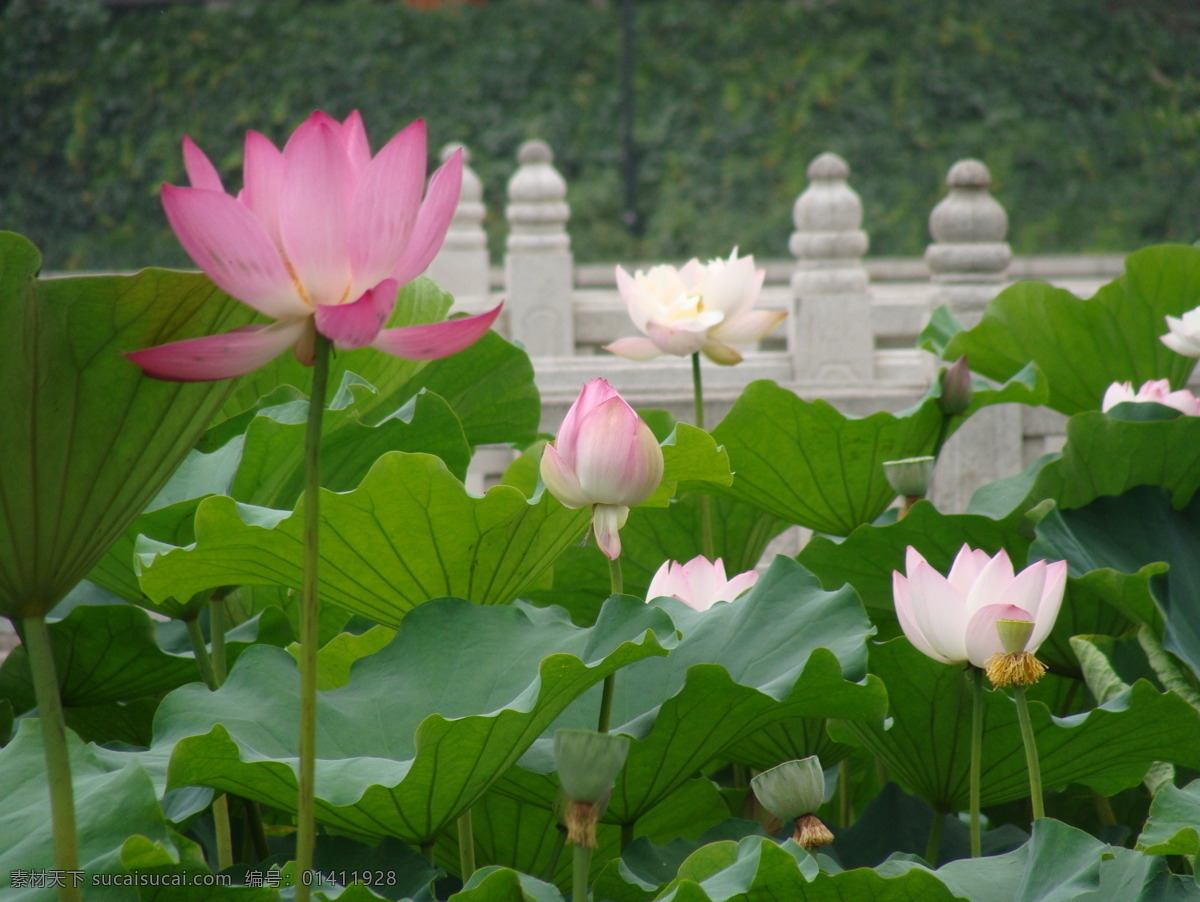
pixel 665 582
pixel 561 481
pixel 385 206
pixel 594 393
pixel 1025 591
pixel 226 241
pixel 356 325
pixel 353 135
pixel 219 356
pixel 741 583
pixel 636 348
pixel 752 325
pixel 908 622
pixel 1049 605
pixel 433 220
pixel 967 566
pixel 720 353
pixel 631 294
pixel 263 175
pixel 678 341
pixel 607 520
pixel 982 639
pixel 991 582
pixel 939 612
pixel 314 210
pixel 436 340
pixel 617 457
pixel 200 170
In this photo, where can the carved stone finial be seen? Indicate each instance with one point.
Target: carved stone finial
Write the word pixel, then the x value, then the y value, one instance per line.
pixel 537 210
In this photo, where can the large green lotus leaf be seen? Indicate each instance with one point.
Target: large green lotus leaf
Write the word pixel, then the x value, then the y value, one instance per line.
pixel 1063 864
pixel 1131 534
pixel 1083 346
pixel 88 440
pixel 760 868
pixel 410 532
pixel 690 455
pixel 492 884
pixel 927 746
pixel 1173 827
pixel 272 467
pixel 804 462
pixel 522 836
pixel 102 654
pixel 112 803
pixel 784 650
pixel 787 741
pixel 415 737
pixel 651 536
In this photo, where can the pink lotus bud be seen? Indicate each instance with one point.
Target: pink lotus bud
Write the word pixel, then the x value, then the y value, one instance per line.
pixel 698 583
pixel 606 456
pixel 955 382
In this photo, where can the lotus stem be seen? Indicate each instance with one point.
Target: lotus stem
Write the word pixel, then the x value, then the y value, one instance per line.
pixel 610 681
pixel 36 637
pixel 200 651
pixel 466 846
pixel 581 868
pixel 306 823
pixel 216 627
pixel 220 806
pixel 976 756
pixel 1031 753
pixel 934 845
pixel 706 530
pixel 845 802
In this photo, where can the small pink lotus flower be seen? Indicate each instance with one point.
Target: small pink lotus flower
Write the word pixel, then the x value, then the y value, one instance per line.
pixel 953 618
pixel 699 584
pixel 700 308
pixel 1158 391
pixel 604 456
pixel 321 237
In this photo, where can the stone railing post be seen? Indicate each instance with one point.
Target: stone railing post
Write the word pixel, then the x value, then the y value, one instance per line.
pixel 967 261
pixel 538 265
pixel 969 257
pixel 832 340
pixel 461 266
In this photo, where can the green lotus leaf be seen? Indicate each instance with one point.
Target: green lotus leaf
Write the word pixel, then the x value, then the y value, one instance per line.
pixel 761 868
pixel 690 455
pixel 784 650
pixel 1083 346
pixel 113 803
pixel 492 884
pixel 89 440
pixel 424 726
pixel 1173 827
pixel 409 532
pixel 928 744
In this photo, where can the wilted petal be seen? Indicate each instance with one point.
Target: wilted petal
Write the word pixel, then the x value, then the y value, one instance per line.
pixel 720 353
pixel 982 639
pixel 635 348
pixel 436 340
pixel 607 520
pixel 385 206
pixel 433 220
pixel 561 481
pixel 218 356
pixel 200 170
pixel 356 325
pixel 226 241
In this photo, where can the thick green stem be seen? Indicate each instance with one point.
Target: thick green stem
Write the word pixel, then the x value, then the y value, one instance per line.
pixel 706 530
pixel 221 826
pixel 306 825
pixel 935 837
pixel 1031 753
pixel 976 756
pixel 581 868
pixel 606 695
pixel 200 650
pixel 466 846
pixel 58 763
pixel 255 830
pixel 845 802
pixel 216 626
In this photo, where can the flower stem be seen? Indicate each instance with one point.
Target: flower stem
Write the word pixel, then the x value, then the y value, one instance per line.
pixel 1031 753
pixel 845 801
pixel 54 741
pixel 976 756
pixel 935 837
pixel 466 846
pixel 306 826
pixel 216 626
pixel 580 871
pixel 706 530
pixel 610 681
pixel 221 803
pixel 200 650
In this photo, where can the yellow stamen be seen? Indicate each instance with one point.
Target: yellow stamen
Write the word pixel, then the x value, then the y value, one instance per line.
pixel 581 818
pixel 1014 669
pixel 811 833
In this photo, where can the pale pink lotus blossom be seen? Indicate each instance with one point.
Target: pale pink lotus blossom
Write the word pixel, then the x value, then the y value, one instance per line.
pixel 321 238
pixel 953 618
pixel 1184 337
pixel 1158 391
pixel 699 583
pixel 705 308
pixel 606 457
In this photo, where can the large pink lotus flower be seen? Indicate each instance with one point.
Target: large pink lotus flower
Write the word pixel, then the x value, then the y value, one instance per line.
pixel 953 618
pixel 1158 391
pixel 704 308
pixel 321 238
pixel 605 457
pixel 699 583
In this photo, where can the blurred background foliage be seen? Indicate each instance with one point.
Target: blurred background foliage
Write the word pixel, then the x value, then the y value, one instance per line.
pixel 1086 111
